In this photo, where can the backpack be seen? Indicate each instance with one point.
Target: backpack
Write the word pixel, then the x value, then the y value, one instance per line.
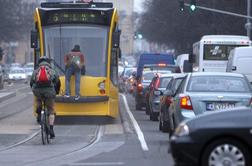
pixel 43 77
pixel 75 60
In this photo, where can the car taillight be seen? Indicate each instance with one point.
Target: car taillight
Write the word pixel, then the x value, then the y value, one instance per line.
pixel 157 83
pixel 139 87
pixel 185 103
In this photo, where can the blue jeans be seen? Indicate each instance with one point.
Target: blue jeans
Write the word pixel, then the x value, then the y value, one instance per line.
pixel 70 70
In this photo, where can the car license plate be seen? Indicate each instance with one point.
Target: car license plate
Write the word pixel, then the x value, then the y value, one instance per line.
pixel 219 106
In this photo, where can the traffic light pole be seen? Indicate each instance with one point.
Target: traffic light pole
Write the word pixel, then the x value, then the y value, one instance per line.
pixel 221 11
pixel 248 24
pixel 248 16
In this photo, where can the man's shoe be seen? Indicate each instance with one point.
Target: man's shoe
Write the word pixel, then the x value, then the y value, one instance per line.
pixel 77 97
pixel 67 96
pixel 52 135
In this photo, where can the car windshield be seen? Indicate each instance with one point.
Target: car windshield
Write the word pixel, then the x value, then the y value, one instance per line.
pixel 218 84
pixel 164 82
pixel 92 41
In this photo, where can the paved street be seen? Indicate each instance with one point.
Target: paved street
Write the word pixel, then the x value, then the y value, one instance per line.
pixel 79 141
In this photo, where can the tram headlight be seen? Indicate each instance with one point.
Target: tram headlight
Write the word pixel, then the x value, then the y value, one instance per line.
pixel 101 85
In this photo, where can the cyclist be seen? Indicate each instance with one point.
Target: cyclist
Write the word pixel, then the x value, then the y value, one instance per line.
pixel 45 85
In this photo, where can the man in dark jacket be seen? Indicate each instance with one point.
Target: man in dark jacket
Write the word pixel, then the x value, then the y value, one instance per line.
pixel 74 62
pixel 46 93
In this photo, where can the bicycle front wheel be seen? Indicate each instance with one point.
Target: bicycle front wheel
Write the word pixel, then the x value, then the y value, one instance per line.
pixel 44 132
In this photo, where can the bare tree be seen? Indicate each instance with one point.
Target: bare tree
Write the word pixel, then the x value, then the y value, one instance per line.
pixel 164 23
pixel 16 19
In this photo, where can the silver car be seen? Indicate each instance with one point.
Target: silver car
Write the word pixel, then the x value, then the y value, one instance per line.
pixel 203 92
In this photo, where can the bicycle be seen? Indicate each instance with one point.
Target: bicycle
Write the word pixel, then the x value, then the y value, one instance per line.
pixel 44 124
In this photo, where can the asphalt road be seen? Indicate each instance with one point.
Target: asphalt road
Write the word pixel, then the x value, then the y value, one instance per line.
pixel 131 139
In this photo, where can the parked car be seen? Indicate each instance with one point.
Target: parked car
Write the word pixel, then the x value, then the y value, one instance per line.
pixel 239 61
pixel 165 101
pixel 213 139
pixel 17 74
pixel 157 86
pixel 206 92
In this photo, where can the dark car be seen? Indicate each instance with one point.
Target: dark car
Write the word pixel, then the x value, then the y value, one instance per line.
pixel 165 101
pixel 218 138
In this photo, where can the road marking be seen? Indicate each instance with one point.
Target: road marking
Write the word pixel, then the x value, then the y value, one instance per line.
pixel 101 163
pixel 136 126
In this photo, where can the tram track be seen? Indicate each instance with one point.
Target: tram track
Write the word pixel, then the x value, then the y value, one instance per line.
pixel 96 138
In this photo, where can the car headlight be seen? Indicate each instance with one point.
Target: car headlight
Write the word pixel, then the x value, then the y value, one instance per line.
pixel 182 130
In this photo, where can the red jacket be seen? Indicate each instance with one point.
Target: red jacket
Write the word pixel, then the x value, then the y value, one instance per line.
pixel 70 55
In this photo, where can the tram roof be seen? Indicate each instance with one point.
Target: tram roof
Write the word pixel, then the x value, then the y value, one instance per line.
pixel 78 5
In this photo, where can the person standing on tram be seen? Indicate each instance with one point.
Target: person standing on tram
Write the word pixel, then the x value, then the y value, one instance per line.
pixel 74 62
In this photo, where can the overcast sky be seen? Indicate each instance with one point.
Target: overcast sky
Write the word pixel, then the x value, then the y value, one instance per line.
pixel 138 5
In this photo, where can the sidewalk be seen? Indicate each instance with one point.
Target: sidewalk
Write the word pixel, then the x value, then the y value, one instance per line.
pixel 6 95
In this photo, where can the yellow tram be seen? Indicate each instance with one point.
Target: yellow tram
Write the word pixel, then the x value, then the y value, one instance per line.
pixel 94 27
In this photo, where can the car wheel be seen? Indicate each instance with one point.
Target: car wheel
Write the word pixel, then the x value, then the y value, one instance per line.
pixel 160 125
pixel 147 109
pixel 165 126
pixel 226 152
pixel 171 125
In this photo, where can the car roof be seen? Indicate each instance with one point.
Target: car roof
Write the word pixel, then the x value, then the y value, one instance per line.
pixel 216 74
pixel 174 75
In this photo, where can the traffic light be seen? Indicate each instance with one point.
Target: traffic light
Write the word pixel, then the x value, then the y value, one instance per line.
pixel 1 53
pixel 181 5
pixel 193 5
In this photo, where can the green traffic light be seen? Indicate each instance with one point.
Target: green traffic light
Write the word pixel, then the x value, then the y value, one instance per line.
pixel 192 7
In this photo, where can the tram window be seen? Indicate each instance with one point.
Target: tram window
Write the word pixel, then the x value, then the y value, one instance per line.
pixel 114 67
pixel 93 44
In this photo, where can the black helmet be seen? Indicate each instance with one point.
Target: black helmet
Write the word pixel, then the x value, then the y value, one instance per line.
pixel 44 59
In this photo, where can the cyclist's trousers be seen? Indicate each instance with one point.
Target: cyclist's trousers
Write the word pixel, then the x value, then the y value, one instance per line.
pixel 49 103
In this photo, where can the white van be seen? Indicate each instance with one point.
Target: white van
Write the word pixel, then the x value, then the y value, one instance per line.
pixel 180 61
pixel 240 61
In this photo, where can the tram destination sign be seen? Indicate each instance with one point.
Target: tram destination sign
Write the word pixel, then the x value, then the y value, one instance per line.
pixel 75 17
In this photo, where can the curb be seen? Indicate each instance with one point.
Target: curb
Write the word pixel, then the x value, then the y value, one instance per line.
pixel 6 96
